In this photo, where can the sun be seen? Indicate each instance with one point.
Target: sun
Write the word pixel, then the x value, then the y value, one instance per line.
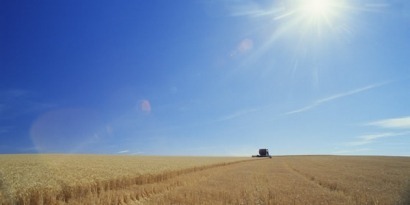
pixel 318 17
pixel 309 29
pixel 317 8
pixel 311 22
pixel 312 14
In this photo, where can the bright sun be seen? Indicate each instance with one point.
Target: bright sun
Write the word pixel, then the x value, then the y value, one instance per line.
pixel 319 15
pixel 321 18
pixel 317 8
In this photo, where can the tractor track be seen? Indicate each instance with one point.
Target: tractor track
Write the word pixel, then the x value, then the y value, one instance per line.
pixel 256 182
pixel 189 178
pixel 150 186
pixel 312 179
pixel 196 179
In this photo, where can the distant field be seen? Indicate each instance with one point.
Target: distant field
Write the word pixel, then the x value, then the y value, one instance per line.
pixel 93 179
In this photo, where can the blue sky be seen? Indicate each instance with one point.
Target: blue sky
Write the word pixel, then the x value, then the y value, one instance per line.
pixel 205 77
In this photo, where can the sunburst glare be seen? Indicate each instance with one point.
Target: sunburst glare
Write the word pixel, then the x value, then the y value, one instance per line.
pixel 318 15
pixel 317 8
pixel 307 29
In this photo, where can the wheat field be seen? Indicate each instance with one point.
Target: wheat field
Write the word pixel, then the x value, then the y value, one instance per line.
pixel 54 179
pixel 299 180
pixel 94 179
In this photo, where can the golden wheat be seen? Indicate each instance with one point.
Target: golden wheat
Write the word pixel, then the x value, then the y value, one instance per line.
pixel 92 179
pixel 299 180
pixel 52 179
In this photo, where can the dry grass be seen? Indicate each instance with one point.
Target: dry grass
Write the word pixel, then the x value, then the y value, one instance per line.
pixel 60 179
pixel 79 179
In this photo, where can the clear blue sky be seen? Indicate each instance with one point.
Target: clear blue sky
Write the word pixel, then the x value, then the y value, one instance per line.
pixel 205 77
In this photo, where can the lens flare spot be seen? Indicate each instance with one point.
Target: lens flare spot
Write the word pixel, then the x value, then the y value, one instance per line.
pixel 145 106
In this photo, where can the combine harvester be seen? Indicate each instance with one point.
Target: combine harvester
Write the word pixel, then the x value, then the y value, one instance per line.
pixel 263 153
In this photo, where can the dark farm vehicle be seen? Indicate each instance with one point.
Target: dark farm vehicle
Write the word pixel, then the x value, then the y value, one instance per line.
pixel 263 153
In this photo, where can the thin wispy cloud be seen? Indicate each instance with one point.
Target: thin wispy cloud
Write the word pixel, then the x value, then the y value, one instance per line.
pixel 308 107
pixel 367 139
pixel 390 124
pixel 335 97
pixel 238 114
pixel 393 123
pixel 123 151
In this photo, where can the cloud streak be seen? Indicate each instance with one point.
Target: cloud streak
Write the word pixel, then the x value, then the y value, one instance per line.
pixel 393 123
pixel 238 114
pixel 335 97
pixel 367 139
pixel 311 106
pixel 123 151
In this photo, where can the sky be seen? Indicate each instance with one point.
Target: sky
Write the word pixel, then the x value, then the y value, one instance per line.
pixel 205 77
